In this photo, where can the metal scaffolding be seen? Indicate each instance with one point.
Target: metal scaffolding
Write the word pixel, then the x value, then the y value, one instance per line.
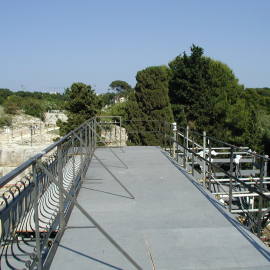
pixel 236 176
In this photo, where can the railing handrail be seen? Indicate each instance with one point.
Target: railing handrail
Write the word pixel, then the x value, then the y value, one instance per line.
pixel 15 172
pixel 227 144
pixel 225 172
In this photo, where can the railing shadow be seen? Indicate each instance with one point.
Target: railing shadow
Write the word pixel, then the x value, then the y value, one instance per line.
pixel 106 192
pixel 91 258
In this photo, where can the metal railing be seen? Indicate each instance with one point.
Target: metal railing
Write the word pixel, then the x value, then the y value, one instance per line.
pixel 38 196
pixel 33 209
pixel 236 176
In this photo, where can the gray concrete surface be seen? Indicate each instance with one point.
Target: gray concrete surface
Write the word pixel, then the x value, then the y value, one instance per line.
pixel 172 219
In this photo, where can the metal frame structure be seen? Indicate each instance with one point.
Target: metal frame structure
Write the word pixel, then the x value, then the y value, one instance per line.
pixel 236 176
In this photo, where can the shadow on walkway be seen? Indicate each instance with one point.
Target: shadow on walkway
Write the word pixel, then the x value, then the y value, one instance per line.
pixel 91 258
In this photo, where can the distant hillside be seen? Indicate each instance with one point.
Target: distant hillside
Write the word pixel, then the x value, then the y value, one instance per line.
pixel 31 103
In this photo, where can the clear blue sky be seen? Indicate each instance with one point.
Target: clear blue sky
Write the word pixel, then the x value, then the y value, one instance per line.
pixel 50 44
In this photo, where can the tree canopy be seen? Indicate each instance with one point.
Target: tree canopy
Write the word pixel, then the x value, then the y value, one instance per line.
pixel 4 93
pixel 32 103
pixel 12 104
pixel 82 104
pixel 206 95
pixel 150 105
pixel 200 91
pixel 107 98
pixel 120 86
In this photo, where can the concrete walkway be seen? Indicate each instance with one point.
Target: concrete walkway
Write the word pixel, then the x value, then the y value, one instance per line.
pixel 172 224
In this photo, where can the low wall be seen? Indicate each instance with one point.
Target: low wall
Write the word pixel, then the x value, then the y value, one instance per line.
pixel 12 156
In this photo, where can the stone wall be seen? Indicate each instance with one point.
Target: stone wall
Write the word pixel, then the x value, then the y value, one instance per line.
pixel 114 136
pixel 50 118
pixel 11 156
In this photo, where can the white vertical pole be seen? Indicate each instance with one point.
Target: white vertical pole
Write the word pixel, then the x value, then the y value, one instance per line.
pixel 204 155
pixel 187 131
pixel 174 126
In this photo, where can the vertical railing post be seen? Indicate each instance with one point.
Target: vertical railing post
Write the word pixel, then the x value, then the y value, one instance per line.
pixel 231 183
pixel 184 158
pixel 85 144
pixel 209 165
pixel 170 140
pixel 61 185
pixel 88 140
pixel 187 135
pixel 36 217
pixel 94 130
pixel 259 221
pixel 185 150
pixel 81 151
pixel 187 145
pixel 111 127
pixel 204 156
pixel 164 136
pixel 73 162
pixel 192 168
pixel 91 136
pixel 85 136
pixel 174 129
pixel 120 132
pixel 95 136
pixel 177 147
pixel 265 165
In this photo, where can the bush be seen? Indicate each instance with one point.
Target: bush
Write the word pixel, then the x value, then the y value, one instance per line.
pixel 33 107
pixel 5 121
pixel 12 105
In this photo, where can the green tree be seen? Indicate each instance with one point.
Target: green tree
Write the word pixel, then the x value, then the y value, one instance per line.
pixel 107 98
pixel 5 120
pixel 151 105
pixel 34 107
pixel 82 104
pixel 206 94
pixel 120 86
pixel 260 102
pixel 131 114
pixel 265 91
pixel 188 85
pixel 12 104
pixel 4 93
pixel 241 125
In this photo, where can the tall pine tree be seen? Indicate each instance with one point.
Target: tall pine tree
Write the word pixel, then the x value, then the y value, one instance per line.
pixel 151 105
